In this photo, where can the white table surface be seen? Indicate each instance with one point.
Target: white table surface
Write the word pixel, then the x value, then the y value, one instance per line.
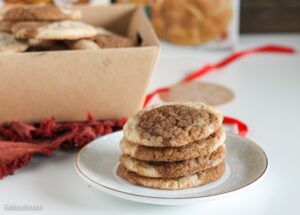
pixel 267 88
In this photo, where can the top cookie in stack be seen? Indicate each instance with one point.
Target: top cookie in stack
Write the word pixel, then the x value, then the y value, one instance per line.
pixel 29 24
pixel 173 146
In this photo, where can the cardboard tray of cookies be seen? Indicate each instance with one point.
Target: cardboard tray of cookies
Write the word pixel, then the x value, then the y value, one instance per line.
pixel 110 82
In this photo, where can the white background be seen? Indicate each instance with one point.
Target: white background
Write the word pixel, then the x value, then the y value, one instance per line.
pixel 267 88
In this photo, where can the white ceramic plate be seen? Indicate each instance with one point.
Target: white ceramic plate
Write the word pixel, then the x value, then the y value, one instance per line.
pixel 96 164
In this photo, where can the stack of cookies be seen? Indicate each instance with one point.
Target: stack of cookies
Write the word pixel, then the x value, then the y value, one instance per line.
pixel 173 146
pixel 47 27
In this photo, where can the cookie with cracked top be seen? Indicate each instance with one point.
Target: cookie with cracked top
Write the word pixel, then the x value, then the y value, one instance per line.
pixel 172 124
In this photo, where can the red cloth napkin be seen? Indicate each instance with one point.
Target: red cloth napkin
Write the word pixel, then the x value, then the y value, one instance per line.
pixel 20 141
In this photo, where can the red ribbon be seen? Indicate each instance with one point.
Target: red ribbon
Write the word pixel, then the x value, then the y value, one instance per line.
pixel 235 56
pixel 242 127
pixel 156 92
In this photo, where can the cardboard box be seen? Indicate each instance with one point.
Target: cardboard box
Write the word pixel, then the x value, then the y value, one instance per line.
pixel 109 83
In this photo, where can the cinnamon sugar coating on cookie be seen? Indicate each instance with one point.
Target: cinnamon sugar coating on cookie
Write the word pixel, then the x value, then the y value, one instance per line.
pixel 174 122
pixel 196 149
pixel 40 13
pixel 22 30
pixel 198 179
pixel 173 169
pixel 188 167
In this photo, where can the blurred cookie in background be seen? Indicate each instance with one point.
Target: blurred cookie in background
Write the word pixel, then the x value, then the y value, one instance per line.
pixel 40 13
pixel 46 45
pixel 5 26
pixel 61 30
pixel 194 22
pixel 83 44
pixel 32 2
pixel 36 45
pixel 8 44
pixel 209 93
pixel 113 41
pixel 191 22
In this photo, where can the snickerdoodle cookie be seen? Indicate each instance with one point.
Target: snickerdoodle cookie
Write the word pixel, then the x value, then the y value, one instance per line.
pixel 83 44
pixel 173 169
pixel 62 30
pixel 172 125
pixel 194 180
pixel 40 13
pixel 208 93
pixel 112 41
pixel 196 149
pixel 5 26
pixel 9 44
